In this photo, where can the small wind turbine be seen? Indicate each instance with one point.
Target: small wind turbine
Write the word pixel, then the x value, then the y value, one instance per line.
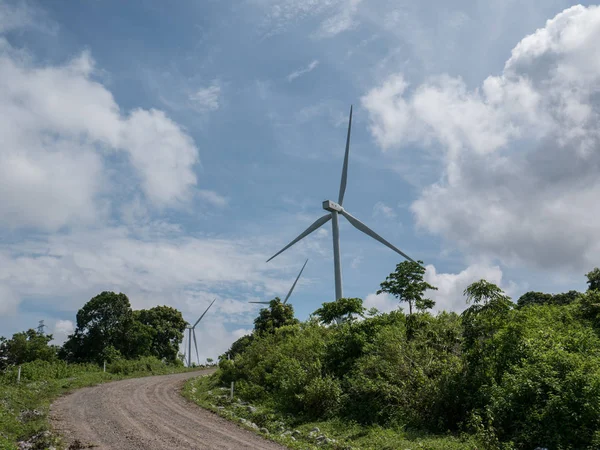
pixel 291 289
pixel 192 334
pixel 334 210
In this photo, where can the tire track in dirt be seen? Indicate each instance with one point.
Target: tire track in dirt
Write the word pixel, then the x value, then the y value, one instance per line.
pixel 147 413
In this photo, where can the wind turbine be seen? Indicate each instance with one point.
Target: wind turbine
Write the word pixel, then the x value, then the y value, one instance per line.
pixel 291 289
pixel 334 210
pixel 192 334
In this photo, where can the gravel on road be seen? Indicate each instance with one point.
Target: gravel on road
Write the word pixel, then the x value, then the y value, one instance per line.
pixel 146 413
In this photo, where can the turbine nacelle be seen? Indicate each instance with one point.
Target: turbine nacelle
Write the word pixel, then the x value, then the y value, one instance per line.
pixel 328 205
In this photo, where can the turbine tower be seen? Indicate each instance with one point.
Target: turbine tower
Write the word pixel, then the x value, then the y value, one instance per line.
pixel 291 289
pixel 334 210
pixel 192 334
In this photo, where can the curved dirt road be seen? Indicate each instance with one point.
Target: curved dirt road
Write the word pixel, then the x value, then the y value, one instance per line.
pixel 149 414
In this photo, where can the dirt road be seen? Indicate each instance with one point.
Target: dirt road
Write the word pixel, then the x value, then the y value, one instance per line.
pixel 149 414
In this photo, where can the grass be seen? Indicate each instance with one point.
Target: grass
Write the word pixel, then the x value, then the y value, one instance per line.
pixel 24 406
pixel 206 392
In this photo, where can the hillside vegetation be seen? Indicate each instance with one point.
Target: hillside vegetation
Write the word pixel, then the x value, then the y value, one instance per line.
pixel 498 376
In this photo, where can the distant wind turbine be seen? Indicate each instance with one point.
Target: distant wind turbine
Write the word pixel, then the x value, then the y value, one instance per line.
pixel 192 334
pixel 291 289
pixel 334 210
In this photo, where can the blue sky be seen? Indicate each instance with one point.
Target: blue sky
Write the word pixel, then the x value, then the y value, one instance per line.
pixel 166 150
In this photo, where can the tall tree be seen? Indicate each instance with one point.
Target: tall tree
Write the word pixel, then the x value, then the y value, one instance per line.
pixel 593 279
pixel 26 346
pixel 275 316
pixel 407 285
pixel 343 309
pixel 103 323
pixel 168 327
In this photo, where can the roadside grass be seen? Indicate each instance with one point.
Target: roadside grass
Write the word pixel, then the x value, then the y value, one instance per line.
pixel 24 407
pixel 334 434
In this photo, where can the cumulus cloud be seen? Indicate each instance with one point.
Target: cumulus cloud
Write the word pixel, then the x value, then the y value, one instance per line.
pixel 62 330
pixel 449 296
pixel 59 125
pixel 521 152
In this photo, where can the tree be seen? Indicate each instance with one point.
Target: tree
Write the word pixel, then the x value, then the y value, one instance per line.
pixel 341 309
pixel 593 279
pixel 407 285
pixel 26 346
pixel 167 325
pixel 102 323
pixel 534 298
pixel 275 316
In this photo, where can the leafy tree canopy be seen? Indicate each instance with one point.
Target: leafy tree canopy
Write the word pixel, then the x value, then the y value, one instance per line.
pixel 343 309
pixel 275 316
pixel 407 285
pixel 168 327
pixel 26 346
pixel 593 279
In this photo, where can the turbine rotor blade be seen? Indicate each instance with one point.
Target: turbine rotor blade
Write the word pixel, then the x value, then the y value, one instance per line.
pixel 294 285
pixel 345 166
pixel 365 229
pixel 196 345
pixel 317 223
pixel 203 314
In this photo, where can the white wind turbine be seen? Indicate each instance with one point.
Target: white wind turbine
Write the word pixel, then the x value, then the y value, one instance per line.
pixel 291 289
pixel 334 210
pixel 192 335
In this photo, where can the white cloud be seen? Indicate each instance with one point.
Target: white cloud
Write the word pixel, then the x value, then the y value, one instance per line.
pixel 384 303
pixel 207 99
pixel 59 126
pixel 449 296
pixel 213 198
pixel 9 300
pixel 343 20
pixel 21 15
pixel 312 66
pixel 62 330
pixel 520 152
pixel 382 210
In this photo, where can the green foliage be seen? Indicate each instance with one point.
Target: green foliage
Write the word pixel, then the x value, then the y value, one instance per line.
pixel 25 347
pixel 506 377
pixel 167 325
pixel 102 322
pixel 109 330
pixel 407 285
pixel 275 316
pixel 343 309
pixel 593 279
pixel 541 298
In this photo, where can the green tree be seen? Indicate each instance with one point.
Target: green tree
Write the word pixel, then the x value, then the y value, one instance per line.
pixel 102 323
pixel 407 285
pixel 26 346
pixel 343 309
pixel 534 298
pixel 593 279
pixel 275 316
pixel 167 325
